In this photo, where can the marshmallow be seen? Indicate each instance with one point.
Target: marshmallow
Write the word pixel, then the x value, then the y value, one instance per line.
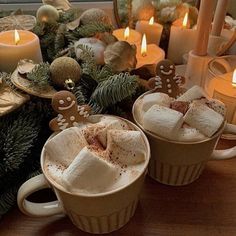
pixel 101 128
pixel 203 118
pixel 189 134
pixel 163 121
pixel 161 99
pixel 64 147
pixel 193 93
pixel 126 146
pixel 89 172
pixel 217 106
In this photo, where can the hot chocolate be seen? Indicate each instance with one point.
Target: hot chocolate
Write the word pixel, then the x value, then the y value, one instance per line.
pixel 103 155
pixel 191 117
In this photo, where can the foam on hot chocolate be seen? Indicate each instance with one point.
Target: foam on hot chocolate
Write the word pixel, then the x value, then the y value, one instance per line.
pixel 191 117
pixel 98 164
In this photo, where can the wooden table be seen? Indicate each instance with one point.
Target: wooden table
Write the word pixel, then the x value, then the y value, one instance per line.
pixel 205 207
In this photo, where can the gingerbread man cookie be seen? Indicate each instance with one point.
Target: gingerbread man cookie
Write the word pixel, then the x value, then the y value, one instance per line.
pixel 69 113
pixel 166 81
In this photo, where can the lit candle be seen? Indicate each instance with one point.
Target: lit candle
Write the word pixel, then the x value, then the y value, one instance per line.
pixel 149 54
pixel 223 88
pixel 152 30
pixel 129 35
pixel 17 45
pixel 182 40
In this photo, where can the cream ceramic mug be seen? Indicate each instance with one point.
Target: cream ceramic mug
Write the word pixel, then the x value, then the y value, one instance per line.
pixel 93 213
pixel 180 163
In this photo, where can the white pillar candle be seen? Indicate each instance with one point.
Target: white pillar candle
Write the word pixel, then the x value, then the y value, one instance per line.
pixel 203 27
pixel 12 49
pixel 182 40
pixel 152 30
pixel 219 17
pixel 223 88
pixel 149 54
pixel 131 36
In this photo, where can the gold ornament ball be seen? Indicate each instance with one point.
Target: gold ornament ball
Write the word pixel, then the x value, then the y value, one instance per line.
pixel 47 13
pixel 94 15
pixel 63 69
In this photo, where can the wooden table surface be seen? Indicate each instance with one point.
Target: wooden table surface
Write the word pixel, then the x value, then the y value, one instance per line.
pixel 205 207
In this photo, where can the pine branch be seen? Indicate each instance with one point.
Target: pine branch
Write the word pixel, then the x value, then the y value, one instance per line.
pixel 89 30
pixel 23 135
pixel 96 108
pixel 60 41
pixel 19 140
pixel 84 89
pixel 40 75
pixel 104 73
pixel 70 15
pixel 89 66
pixel 7 199
pixel 47 33
pixel 114 89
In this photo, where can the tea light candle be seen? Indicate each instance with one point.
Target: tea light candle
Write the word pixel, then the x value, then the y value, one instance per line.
pixel 16 45
pixel 152 30
pixel 149 54
pixel 129 35
pixel 182 40
pixel 223 88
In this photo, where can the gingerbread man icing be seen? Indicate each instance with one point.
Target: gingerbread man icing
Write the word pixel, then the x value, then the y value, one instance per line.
pixel 69 113
pixel 166 81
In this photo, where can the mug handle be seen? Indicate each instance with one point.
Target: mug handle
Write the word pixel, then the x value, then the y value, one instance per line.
pixel 226 153
pixel 36 209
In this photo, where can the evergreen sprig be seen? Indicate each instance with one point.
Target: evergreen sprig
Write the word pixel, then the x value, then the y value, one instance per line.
pixel 69 15
pixel 114 89
pixel 47 33
pixel 60 40
pixel 22 135
pixel 89 66
pixel 40 75
pixel 89 30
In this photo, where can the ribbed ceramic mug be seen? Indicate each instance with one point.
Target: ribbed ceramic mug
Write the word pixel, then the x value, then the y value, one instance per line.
pixel 180 163
pixel 93 213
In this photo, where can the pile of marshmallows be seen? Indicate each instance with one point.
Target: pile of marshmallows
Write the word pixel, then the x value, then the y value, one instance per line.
pixel 191 117
pixel 101 156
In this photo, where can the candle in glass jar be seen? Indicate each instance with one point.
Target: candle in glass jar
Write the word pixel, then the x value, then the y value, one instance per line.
pixel 129 35
pixel 149 54
pixel 182 40
pixel 17 45
pixel 223 88
pixel 152 30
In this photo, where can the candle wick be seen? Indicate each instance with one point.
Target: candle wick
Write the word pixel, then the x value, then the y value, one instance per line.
pixel 144 54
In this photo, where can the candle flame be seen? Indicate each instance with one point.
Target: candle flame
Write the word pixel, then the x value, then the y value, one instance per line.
pixel 17 37
pixel 144 46
pixel 126 34
pixel 151 21
pixel 234 78
pixel 185 21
